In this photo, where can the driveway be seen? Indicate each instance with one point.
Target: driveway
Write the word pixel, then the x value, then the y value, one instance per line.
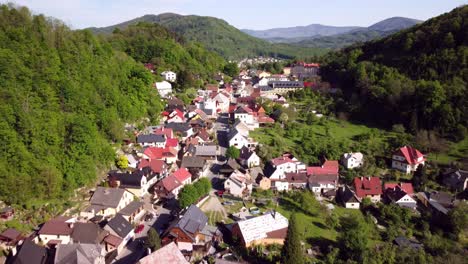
pixel 213 204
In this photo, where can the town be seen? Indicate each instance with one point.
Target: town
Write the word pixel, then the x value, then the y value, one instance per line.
pixel 195 189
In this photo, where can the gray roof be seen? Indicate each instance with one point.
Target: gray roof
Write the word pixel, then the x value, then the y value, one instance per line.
pixel 207 150
pixel 193 221
pixel 131 208
pixel 78 253
pixel 193 162
pixel 456 179
pixel 232 133
pixel 30 253
pixel 108 197
pixel 286 84
pixel 179 127
pixel 120 225
pixel 405 242
pixel 346 195
pixel 151 138
pixel 87 233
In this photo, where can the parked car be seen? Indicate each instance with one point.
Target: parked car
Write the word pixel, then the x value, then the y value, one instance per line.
pixel 228 203
pixel 139 228
pixel 220 193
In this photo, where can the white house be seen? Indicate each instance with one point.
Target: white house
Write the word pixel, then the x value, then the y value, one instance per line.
pixel 407 159
pixel 352 160
pixel 244 114
pixel 401 194
pixel 169 76
pixel 107 202
pixel 348 198
pixel 249 158
pixel 238 184
pixel 164 88
pixel 280 185
pixel 237 140
pixel 285 164
pixel 56 231
pixel 222 100
pixel 120 227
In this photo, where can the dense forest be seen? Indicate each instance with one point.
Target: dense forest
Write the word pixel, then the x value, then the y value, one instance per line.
pixel 147 42
pixel 65 95
pixel 416 77
pixel 218 36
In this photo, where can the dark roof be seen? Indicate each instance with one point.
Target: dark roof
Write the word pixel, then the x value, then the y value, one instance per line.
pixel 132 180
pixel 151 138
pixel 346 195
pixel 193 162
pixel 87 233
pixel 131 208
pixel 179 127
pixel 120 225
pixel 300 177
pixel 108 197
pixel 445 199
pixel 192 221
pixel 455 179
pixel 10 234
pixel 230 166
pixel 232 133
pixel 174 101
pixel 286 84
pixel 30 253
pixel 77 253
pixel 56 227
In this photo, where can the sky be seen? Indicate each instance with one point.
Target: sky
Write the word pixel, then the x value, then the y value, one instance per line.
pixel 243 14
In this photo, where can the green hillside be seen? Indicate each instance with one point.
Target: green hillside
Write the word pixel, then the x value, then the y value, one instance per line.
pixel 416 77
pixel 217 35
pixel 65 97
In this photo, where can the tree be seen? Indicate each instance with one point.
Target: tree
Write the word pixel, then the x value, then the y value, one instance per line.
pixel 420 178
pixel 459 219
pixel 122 162
pixel 354 237
pixel 187 195
pixel 232 153
pixel 283 118
pixel 398 128
pixel 231 69
pixel 153 241
pixel 292 249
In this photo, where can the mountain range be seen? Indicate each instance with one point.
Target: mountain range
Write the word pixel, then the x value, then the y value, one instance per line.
pixel 218 36
pixel 322 36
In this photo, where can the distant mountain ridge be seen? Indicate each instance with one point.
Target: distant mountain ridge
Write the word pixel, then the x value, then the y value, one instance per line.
pixel 299 31
pixel 216 35
pixel 334 37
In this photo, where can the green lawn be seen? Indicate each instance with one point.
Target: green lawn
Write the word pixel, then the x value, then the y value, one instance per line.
pixel 214 217
pixel 456 152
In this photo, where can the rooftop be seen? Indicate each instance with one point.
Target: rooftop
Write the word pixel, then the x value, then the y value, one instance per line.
pixel 263 226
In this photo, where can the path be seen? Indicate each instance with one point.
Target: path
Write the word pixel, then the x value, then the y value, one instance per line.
pixel 213 204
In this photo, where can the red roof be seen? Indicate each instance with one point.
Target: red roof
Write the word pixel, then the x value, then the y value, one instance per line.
pixel 55 227
pixel 157 166
pixel 164 131
pixel 177 113
pixel 154 153
pixel 410 154
pixel 170 183
pixel 329 167
pixel 281 160
pixel 309 65
pixel 182 174
pixel 232 108
pixel 113 240
pixel 406 187
pixel 265 119
pixel 172 142
pixel 367 186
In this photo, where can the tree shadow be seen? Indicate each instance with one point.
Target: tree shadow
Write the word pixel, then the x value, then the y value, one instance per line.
pixel 323 243
pixel 320 225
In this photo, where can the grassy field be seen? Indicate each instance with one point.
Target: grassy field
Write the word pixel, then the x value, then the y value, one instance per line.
pixel 456 152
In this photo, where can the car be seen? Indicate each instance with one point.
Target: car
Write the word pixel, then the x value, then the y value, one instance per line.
pixel 220 193
pixel 228 203
pixel 139 228
pixel 149 217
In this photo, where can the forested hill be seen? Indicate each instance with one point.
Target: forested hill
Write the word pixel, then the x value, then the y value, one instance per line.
pixel 218 36
pixel 147 42
pixel 65 95
pixel 416 77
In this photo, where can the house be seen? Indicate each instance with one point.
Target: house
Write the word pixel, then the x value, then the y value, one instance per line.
pixel 168 188
pixel 323 178
pixel 191 232
pixel 30 253
pixel 174 103
pixel 107 202
pixel 223 101
pixel 348 197
pixel 407 159
pixel 352 160
pixel 297 180
pixel 133 211
pixel 87 233
pixel 137 182
pixel 157 167
pixel 151 154
pixel 167 132
pixel 368 187
pixel 7 213
pixel 80 254
pixel 56 231
pixel 229 167
pixel 195 165
pixel 183 176
pixel 280 87
pixel 169 76
pixel 237 140
pixel 152 140
pixel 120 227
pixel 270 228
pixel 456 180
pixel 208 152
pixel 203 136
pixel 176 116
pixel 244 114
pixel 132 161
pixel 170 253
pixel 400 194
pixel 164 88
pixel 183 130
pixel 10 238
pixel 238 184
pixel 284 164
pixel 303 70
pixel 248 158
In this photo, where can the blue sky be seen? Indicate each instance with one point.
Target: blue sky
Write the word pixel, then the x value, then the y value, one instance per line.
pixel 252 14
